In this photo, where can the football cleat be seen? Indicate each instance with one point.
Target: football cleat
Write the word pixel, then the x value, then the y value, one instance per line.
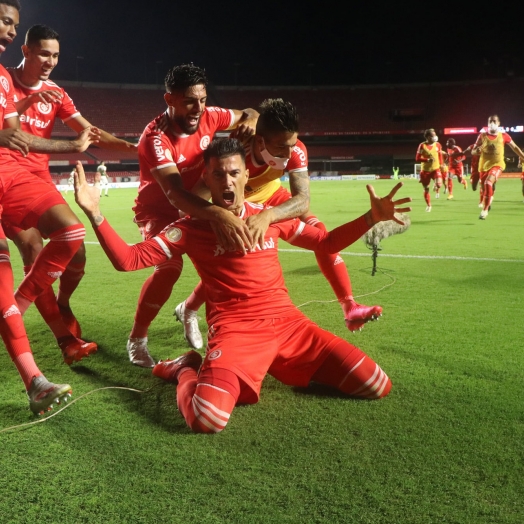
pixel 189 320
pixel 483 214
pixel 450 197
pixel 139 353
pixel 169 370
pixel 75 349
pixel 357 315
pixel 428 209
pixel 44 395
pixel 481 205
pixel 465 183
pixel 70 320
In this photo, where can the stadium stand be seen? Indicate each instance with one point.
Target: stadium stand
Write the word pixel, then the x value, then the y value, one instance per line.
pixel 372 122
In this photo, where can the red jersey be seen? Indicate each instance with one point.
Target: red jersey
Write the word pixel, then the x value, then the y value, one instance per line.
pixel 237 286
pixel 158 149
pixel 264 180
pixel 455 161
pixel 430 156
pixel 7 108
pixel 39 119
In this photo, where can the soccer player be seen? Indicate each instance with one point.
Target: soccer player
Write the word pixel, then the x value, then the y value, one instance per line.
pixel 170 157
pixel 39 102
pixel 490 146
pixel 28 199
pixel 475 175
pixel 70 181
pixel 104 182
pixel 429 154
pixel 455 158
pixel 254 328
pixel 273 150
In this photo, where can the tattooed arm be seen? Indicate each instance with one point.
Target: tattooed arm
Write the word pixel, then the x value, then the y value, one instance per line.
pixel 296 206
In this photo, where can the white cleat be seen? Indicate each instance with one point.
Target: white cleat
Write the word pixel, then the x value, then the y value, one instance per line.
pixel 139 353
pixel 428 209
pixel 189 320
pixel 438 195
pixel 483 214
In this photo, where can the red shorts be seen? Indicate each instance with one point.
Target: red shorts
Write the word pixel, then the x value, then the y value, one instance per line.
pixel 458 171
pixel 290 349
pixel 494 171
pixel 427 176
pixel 24 196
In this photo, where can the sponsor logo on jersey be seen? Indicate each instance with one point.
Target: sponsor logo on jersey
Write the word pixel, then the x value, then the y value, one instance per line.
pixel 5 83
pixel 268 244
pixel 159 150
pixel 181 158
pixel 301 155
pixel 214 354
pixel 12 310
pixel 34 122
pixel 44 108
pixel 173 234
pixel 204 142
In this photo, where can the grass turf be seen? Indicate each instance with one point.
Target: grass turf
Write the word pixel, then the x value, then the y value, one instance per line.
pixel 445 446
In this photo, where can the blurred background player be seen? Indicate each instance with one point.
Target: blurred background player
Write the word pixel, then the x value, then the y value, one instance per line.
pixel 39 103
pixel 70 181
pixel 429 154
pixel 490 145
pixel 455 165
pixel 104 182
pixel 254 327
pixel 273 150
pixel 170 158
pixel 475 174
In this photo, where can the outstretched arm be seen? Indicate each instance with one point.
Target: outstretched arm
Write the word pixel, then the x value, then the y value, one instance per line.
pixel 123 256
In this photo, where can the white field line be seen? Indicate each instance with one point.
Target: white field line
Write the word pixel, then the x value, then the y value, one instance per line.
pixel 381 255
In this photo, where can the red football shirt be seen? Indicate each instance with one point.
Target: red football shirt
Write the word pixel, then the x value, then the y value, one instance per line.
pixel 7 108
pixel 158 149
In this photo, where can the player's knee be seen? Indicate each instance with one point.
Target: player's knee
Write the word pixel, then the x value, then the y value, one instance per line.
pixel 80 256
pixel 199 426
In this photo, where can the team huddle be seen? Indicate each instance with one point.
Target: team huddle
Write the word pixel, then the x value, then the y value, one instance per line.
pixel 487 163
pixel 220 201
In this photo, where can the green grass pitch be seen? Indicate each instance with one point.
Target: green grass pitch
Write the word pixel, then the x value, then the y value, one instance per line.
pixel 447 445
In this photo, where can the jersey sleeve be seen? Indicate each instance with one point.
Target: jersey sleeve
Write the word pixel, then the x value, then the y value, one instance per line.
pixel 506 138
pixel 303 235
pixel 125 257
pixel 222 118
pixel 155 150
pixel 67 109
pixel 8 105
pixel 299 159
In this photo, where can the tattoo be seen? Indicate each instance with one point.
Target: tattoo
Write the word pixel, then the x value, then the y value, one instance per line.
pixel 299 202
pixel 42 145
pixel 97 220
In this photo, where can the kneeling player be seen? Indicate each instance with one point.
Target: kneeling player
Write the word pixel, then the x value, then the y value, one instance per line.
pixel 254 328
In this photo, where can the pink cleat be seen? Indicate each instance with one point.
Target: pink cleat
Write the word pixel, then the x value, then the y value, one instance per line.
pixel 75 349
pixel 357 315
pixel 169 370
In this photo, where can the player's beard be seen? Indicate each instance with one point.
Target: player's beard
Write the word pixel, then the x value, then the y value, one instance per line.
pixel 184 126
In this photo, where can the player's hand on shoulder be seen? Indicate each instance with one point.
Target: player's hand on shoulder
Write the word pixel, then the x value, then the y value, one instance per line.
pixel 258 225
pixel 385 208
pixel 15 139
pixel 232 233
pixel 48 96
pixel 243 131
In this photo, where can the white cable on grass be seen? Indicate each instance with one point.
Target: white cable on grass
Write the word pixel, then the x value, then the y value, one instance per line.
pixel 45 419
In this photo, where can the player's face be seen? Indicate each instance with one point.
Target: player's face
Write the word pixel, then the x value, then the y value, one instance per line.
pixel 9 19
pixel 187 107
pixel 449 144
pixel 41 58
pixel 431 137
pixel 281 144
pixel 226 178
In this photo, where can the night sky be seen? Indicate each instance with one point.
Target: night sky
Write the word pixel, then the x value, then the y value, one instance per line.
pixel 278 43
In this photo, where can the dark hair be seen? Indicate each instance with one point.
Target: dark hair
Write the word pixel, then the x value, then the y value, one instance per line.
pixel 276 116
pixel 223 148
pixel 493 117
pixel 451 141
pixel 40 32
pixel 427 132
pixel 183 76
pixel 12 3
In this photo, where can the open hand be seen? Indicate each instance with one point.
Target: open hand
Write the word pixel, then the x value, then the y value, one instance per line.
pixel 384 208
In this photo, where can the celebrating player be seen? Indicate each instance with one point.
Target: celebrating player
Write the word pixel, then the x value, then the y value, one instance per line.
pixel 456 167
pixel 490 146
pixel 170 157
pixel 254 328
pixel 274 149
pixel 429 154
pixel 39 102
pixel 29 201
